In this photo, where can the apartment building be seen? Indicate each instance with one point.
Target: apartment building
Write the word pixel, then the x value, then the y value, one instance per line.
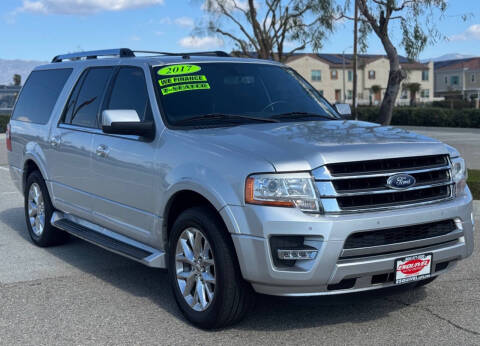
pixel 332 76
pixel 458 78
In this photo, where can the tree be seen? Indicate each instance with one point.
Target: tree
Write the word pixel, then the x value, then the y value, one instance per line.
pixel 417 23
pixel 17 80
pixel 375 89
pixel 413 88
pixel 268 28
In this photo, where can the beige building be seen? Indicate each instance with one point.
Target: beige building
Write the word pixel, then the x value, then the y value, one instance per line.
pixel 332 76
pixel 458 78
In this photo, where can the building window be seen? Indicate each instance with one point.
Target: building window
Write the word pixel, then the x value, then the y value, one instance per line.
pixel 350 75
pixel 425 93
pixel 454 80
pixel 425 75
pixel 473 77
pixel 446 80
pixel 334 74
pixel 371 74
pixel 349 94
pixel 404 94
pixel 316 75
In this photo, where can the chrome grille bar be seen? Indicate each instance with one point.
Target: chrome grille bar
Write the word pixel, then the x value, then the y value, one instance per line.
pixel 364 191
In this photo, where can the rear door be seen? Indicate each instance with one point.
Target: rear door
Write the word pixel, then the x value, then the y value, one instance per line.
pixel 72 143
pixel 123 170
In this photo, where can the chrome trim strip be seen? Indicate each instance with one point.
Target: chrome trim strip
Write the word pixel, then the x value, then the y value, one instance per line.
pixel 375 250
pixel 320 175
pixel 335 209
pixel 376 192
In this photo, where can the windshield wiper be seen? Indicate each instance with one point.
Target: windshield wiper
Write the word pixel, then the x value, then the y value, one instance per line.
pixel 224 116
pixel 299 115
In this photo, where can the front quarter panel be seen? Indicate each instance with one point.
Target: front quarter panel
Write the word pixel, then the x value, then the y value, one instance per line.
pixel 215 172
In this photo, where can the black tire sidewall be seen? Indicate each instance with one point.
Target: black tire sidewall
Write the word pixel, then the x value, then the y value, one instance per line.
pixel 224 268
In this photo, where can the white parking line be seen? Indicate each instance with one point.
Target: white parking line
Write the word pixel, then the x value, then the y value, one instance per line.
pixel 4 168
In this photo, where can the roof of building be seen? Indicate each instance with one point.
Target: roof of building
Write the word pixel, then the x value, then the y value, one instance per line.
pixel 336 60
pixel 469 63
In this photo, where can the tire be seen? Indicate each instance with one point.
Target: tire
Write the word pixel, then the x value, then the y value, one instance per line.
pixel 422 283
pixel 232 296
pixel 38 213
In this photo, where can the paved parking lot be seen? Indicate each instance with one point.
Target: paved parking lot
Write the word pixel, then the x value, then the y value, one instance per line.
pixel 80 294
pixel 466 141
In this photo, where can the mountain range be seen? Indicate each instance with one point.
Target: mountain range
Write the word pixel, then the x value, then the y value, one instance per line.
pixel 10 67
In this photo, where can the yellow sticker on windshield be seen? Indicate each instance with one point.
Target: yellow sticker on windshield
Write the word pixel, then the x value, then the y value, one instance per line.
pixel 184 87
pixel 178 69
pixel 182 79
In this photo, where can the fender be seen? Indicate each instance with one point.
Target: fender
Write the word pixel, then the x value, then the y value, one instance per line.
pixel 35 153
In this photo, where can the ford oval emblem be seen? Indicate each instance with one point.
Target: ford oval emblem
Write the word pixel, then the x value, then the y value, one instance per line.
pixel 401 181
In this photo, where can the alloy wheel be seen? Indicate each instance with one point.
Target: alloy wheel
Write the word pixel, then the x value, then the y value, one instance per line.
pixel 195 269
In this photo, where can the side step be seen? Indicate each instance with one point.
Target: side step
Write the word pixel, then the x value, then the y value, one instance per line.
pixel 111 241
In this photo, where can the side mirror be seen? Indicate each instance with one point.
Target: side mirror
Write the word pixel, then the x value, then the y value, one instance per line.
pixel 126 122
pixel 344 110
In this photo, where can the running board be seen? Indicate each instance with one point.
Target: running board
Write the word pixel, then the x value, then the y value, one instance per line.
pixel 109 240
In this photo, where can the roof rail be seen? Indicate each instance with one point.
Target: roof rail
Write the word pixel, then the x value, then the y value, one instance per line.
pixel 94 54
pixel 209 53
pixel 126 52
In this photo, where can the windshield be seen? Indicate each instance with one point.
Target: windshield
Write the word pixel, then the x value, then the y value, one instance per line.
pixel 236 92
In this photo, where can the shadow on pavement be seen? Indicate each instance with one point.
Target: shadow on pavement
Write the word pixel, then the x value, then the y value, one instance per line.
pixel 269 313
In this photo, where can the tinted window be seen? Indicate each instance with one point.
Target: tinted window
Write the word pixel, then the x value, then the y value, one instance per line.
pixel 130 92
pixel 39 95
pixel 258 90
pixel 86 106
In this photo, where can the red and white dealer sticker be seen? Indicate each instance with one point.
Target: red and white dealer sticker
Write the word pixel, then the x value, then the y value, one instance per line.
pixel 413 268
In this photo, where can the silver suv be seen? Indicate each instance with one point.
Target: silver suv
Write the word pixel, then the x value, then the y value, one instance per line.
pixel 236 175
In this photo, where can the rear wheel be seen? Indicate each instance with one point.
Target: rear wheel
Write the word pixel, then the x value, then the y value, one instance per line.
pixel 38 212
pixel 203 271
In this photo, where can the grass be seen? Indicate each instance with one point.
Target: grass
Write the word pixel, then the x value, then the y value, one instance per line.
pixel 474 182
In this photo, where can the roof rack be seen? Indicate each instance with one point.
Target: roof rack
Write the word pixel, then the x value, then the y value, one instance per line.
pixel 94 54
pixel 128 53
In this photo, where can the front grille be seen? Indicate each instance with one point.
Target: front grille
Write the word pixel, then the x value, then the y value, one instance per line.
pixel 399 234
pixel 362 185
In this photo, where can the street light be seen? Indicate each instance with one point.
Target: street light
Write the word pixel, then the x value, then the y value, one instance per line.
pixel 343 68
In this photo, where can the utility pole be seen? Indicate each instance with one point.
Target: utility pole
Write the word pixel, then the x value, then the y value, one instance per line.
pixel 343 68
pixel 355 115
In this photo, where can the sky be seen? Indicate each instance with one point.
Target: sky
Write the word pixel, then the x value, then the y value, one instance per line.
pixel 41 29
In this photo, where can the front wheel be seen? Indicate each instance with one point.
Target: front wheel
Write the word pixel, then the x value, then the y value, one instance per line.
pixel 203 271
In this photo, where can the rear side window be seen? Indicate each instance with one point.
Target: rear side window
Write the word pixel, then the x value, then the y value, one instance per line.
pixel 39 95
pixel 130 92
pixel 82 110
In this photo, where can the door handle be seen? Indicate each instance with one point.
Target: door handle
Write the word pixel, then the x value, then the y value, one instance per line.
pixel 102 150
pixel 55 141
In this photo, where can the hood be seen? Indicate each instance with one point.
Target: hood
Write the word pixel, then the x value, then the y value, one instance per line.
pixel 302 146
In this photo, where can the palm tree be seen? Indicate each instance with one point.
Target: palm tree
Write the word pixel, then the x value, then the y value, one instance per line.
pixel 17 79
pixel 413 88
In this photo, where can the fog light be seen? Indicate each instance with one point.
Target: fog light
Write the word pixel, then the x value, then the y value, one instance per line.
pixel 298 254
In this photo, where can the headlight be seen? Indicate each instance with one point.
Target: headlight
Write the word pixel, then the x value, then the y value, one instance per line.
pixel 282 190
pixel 459 174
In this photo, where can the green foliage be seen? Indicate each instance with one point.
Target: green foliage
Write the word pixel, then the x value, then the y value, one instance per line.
pixel 17 79
pixel 267 28
pixel 425 116
pixel 473 182
pixel 3 122
pixel 375 88
pixel 413 87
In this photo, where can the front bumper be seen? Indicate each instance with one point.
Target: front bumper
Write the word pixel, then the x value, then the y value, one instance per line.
pixel 252 226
